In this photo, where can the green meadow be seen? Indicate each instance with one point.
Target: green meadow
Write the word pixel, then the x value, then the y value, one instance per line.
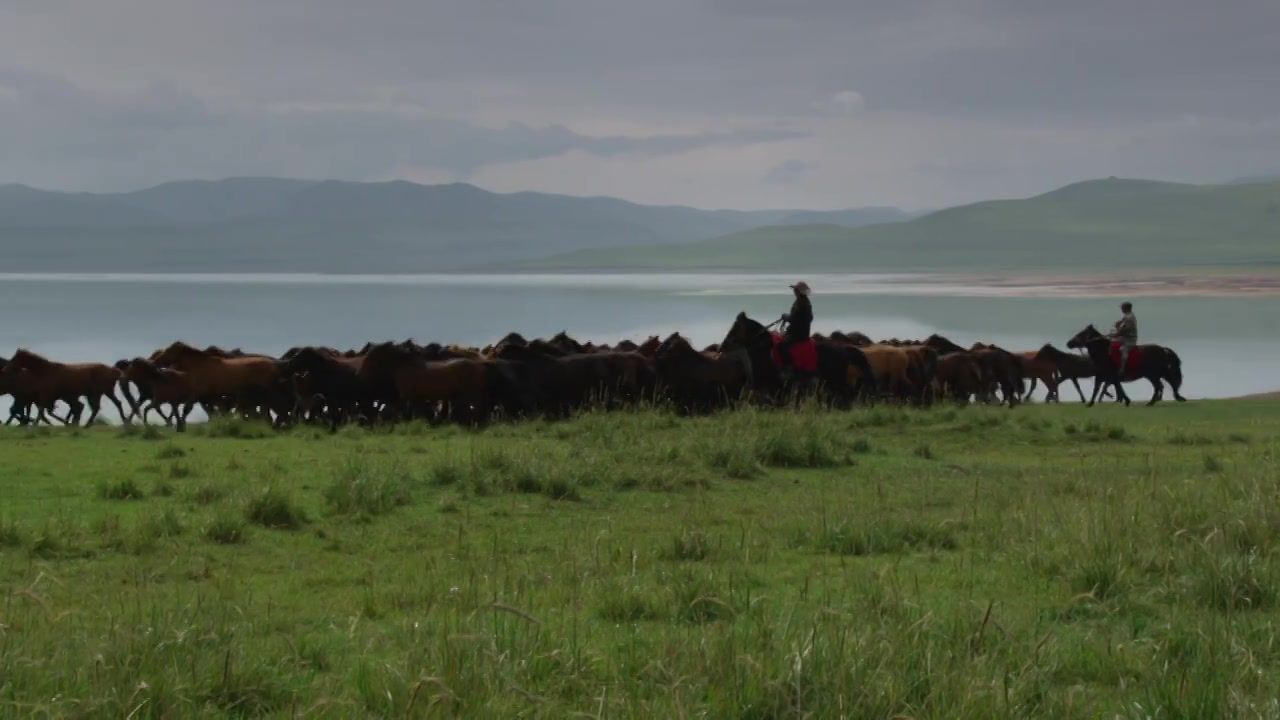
pixel 1050 561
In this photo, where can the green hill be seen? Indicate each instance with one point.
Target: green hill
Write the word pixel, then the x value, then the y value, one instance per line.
pixel 283 225
pixel 1113 223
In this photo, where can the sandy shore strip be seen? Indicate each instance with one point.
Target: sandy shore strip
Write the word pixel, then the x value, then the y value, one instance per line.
pixel 1092 285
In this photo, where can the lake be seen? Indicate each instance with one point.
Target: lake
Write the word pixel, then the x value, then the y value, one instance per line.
pixel 1227 344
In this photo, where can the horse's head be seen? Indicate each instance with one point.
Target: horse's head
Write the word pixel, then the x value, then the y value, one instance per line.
pixel 942 344
pixel 674 344
pixel 1084 338
pixel 174 353
pixel 304 359
pixel 744 334
pixel 566 343
pixel 649 346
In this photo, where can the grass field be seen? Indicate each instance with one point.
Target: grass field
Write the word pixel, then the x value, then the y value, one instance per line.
pixel 949 563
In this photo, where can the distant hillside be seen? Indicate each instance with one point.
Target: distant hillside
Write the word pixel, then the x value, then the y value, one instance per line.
pixel 283 225
pixel 1096 224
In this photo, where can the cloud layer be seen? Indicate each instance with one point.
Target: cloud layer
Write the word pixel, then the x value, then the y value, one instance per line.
pixel 730 103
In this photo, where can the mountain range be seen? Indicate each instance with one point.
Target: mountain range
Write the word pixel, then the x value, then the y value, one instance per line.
pixel 283 225
pixel 1113 223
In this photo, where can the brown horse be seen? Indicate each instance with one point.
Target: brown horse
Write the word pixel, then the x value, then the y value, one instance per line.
pixel 959 377
pixel 891 371
pixel 249 382
pixel 48 382
pixel 16 385
pixel 162 386
pixel 1070 367
pixel 1037 368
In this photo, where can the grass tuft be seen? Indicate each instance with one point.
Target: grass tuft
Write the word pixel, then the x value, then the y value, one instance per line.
pixel 275 509
pixel 123 489
pixel 364 485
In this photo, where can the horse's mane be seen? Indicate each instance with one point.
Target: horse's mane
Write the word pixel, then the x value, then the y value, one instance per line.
pixel 675 343
pixel 148 368
pixel 179 346
pixel 31 358
pixel 512 338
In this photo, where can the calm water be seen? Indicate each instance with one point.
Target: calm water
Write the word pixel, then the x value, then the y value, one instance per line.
pixel 1228 345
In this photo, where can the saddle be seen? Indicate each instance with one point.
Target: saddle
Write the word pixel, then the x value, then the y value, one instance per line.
pixel 804 355
pixel 1134 360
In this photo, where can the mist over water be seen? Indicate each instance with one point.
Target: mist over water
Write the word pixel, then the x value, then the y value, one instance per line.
pixel 1226 344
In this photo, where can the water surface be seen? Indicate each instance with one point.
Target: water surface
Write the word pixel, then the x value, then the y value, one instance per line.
pixel 1227 344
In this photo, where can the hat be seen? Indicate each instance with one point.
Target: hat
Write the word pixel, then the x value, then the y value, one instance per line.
pixel 801 287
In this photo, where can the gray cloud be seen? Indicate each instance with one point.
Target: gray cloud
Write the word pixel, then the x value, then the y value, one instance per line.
pixel 138 91
pixel 787 173
pixel 164 131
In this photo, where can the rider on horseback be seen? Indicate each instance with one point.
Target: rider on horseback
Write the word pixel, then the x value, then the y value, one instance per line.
pixel 799 322
pixel 1125 334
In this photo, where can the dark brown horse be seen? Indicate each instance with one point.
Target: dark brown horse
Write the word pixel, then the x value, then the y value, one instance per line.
pixel 16 385
pixel 1070 367
pixel 830 381
pixel 1000 369
pixel 48 382
pixel 1155 364
pixel 334 378
pixel 698 381
pixel 161 386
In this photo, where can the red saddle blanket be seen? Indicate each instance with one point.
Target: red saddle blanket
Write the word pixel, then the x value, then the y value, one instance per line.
pixel 1134 360
pixel 804 355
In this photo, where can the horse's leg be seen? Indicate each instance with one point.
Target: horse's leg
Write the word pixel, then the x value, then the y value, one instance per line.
pixel 1093 397
pixel 95 405
pixel 74 415
pixel 119 407
pixel 1121 395
pixel 1076 382
pixel 180 415
pixel 128 417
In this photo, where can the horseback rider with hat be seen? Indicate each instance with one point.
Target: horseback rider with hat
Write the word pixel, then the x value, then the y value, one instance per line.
pixel 799 323
pixel 1125 334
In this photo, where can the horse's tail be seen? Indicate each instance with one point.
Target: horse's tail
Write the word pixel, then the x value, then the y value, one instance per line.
pixel 1175 370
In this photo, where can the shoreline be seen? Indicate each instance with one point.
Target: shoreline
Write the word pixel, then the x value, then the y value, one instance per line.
pixel 1104 285
pixel 1212 283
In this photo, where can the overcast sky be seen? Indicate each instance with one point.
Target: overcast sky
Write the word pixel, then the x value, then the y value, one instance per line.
pixel 712 103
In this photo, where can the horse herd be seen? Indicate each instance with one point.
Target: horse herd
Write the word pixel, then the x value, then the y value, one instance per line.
pixel 554 377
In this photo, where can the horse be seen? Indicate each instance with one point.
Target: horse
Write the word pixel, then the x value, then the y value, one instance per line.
pixel 15 386
pixel 249 382
pixel 1070 367
pixel 698 381
pixel 409 382
pixel 160 386
pixel 828 370
pixel 334 378
pixel 999 367
pixel 48 381
pixel 1154 363
pixel 1037 368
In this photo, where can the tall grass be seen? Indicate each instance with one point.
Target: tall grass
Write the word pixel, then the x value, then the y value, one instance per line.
pixel 955 563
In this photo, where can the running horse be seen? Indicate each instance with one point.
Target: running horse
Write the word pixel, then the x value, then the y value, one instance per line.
pixel 817 366
pixel 1154 363
pixel 47 382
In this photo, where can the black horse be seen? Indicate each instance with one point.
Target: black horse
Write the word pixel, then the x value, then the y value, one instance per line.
pixel 831 379
pixel 1156 364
